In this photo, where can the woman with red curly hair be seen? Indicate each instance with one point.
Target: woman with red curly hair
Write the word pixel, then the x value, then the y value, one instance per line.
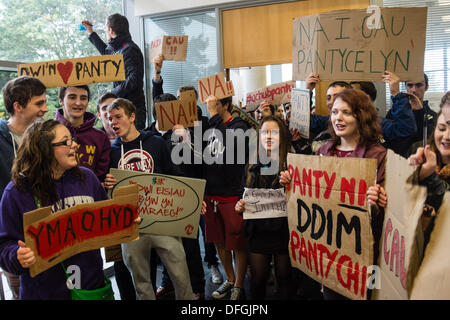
pixel 355 133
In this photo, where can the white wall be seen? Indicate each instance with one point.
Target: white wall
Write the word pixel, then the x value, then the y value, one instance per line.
pixel 146 7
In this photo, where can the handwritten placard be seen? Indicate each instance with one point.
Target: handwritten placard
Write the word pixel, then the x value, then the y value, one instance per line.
pixel 264 203
pixel 300 113
pixel 239 113
pixel 432 281
pixel 399 252
pixel 75 72
pixel 329 222
pixel 275 94
pixel 171 47
pixel 88 226
pixel 168 205
pixel 338 45
pixel 215 85
pixel 183 111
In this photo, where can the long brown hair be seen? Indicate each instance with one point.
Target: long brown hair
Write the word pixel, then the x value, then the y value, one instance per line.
pixel 32 168
pixel 284 145
pixel 364 111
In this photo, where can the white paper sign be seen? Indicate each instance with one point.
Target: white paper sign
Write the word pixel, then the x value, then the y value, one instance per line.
pixel 264 203
pixel 300 113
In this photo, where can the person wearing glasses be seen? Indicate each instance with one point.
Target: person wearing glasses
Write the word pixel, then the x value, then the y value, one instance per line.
pixel 45 172
pixel 25 101
pixel 94 146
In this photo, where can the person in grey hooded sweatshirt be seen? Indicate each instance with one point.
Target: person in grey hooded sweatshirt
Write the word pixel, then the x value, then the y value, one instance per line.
pixel 26 102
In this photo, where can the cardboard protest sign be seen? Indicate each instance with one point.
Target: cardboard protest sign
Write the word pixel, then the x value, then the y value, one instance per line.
pixel 399 254
pixel 183 111
pixel 75 72
pixel 215 85
pixel 264 203
pixel 171 47
pixel 300 112
pixel 239 113
pixel 168 205
pixel 432 280
pixel 329 222
pixel 275 94
pixel 88 226
pixel 338 45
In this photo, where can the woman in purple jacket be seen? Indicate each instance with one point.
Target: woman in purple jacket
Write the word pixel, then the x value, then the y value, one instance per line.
pixel 355 133
pixel 46 173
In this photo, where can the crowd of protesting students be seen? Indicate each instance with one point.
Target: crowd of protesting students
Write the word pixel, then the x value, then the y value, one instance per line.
pixel 66 161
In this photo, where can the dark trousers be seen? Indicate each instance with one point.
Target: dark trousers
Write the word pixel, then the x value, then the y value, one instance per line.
pixel 124 281
pixel 210 248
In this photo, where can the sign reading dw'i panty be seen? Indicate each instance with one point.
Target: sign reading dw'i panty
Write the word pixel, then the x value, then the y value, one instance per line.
pixel 75 72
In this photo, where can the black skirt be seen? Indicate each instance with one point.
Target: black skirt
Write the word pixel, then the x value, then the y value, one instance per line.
pixel 267 236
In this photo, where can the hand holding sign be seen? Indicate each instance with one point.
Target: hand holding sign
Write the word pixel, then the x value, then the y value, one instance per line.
pixel 25 255
pixel 157 66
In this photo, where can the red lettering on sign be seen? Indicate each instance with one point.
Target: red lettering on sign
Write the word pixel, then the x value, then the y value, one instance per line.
pixel 67 230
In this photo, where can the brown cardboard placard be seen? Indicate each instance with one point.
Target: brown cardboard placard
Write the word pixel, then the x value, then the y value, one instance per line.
pixel 171 47
pixel 329 221
pixel 215 85
pixel 432 280
pixel 275 94
pixel 58 236
pixel 169 205
pixel 183 111
pixel 338 45
pixel 77 71
pixel 239 113
pixel 399 254
pixel 300 112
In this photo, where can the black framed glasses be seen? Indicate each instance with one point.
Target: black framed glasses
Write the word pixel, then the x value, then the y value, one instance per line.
pixel 67 142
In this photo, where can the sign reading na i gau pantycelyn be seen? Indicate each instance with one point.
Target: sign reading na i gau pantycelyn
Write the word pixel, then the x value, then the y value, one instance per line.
pixel 339 45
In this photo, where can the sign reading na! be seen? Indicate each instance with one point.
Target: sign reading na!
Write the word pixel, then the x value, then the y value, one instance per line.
pixel 215 85
pixel 88 226
pixel 182 111
pixel 168 205
pixel 339 45
pixel 329 222
pixel 75 72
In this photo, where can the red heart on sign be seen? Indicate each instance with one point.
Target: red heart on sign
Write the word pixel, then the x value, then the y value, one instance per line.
pixel 65 70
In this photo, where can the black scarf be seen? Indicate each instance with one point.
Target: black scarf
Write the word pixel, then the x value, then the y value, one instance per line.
pixel 118 42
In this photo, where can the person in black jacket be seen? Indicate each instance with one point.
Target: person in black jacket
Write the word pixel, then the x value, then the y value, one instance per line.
pixel 425 118
pixel 119 42
pixel 224 227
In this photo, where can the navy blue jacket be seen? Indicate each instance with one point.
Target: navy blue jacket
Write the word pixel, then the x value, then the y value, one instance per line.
pixel 133 86
pixel 7 146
